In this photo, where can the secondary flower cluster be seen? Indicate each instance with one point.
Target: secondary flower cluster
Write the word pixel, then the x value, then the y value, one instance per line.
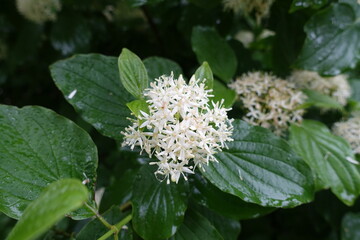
pixel 261 8
pixel 182 130
pixel 350 131
pixel 336 87
pixel 39 11
pixel 270 102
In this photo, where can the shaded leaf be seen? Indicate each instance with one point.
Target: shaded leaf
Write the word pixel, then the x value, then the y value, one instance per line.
pixel 158 66
pixel 210 47
pixel 196 227
pixel 301 4
pixel 350 227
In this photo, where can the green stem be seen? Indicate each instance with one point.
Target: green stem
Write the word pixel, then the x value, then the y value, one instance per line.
pixel 115 229
pixel 102 220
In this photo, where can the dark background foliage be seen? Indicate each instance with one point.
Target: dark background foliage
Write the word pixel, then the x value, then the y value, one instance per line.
pixel 153 28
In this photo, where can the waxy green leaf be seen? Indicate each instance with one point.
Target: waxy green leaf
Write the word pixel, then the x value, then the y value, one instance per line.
pixel 56 200
pixel 158 207
pixel 328 155
pixel 90 83
pixel 38 147
pixel 332 44
pixel 261 168
pixel 133 73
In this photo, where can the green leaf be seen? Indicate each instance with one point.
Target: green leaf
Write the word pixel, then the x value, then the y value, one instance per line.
pixel 138 105
pixel 301 4
pixel 209 46
pixel 229 229
pixel 204 72
pixel 332 44
pixel 320 100
pixel 38 147
pixel 223 203
pixel 327 156
pixel 196 227
pixel 95 229
pixel 56 200
pixel 158 66
pixel 350 226
pixel 261 168
pixel 158 207
pixel 355 89
pixel 133 73
pixel 220 91
pixel 91 84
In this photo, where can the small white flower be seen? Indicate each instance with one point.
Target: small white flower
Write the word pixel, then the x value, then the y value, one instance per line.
pixel 182 130
pixel 261 8
pixel 336 87
pixel 39 11
pixel 350 131
pixel 270 102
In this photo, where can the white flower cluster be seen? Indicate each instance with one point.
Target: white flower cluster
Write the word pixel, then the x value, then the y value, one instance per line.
pixel 181 128
pixel 39 11
pixel 350 131
pixel 261 8
pixel 336 87
pixel 270 102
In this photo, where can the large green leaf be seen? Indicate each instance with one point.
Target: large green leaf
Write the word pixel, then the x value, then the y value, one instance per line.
pixel 58 199
pixel 333 39
pixel 95 229
pixel 223 203
pixel 158 66
pixel 301 4
pixel 350 227
pixel 38 147
pixel 209 46
pixel 91 84
pixel 327 156
pixel 158 207
pixel 261 168
pixel 196 227
pixel 133 74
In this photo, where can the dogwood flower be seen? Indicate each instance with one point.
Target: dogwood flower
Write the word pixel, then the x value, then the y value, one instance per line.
pixel 336 87
pixel 270 102
pixel 39 11
pixel 350 131
pixel 182 129
pixel 261 8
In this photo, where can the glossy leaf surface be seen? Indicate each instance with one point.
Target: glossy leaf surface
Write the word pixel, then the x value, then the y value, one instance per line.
pixel 39 147
pixel 90 83
pixel 261 168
